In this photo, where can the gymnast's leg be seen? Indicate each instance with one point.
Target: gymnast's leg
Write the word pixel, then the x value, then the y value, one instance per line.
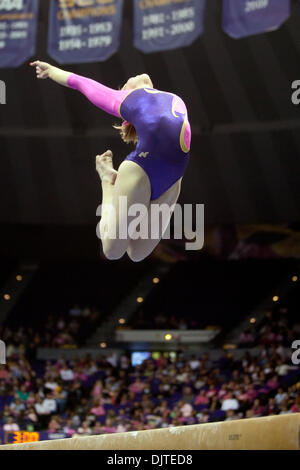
pixel 130 182
pixel 141 248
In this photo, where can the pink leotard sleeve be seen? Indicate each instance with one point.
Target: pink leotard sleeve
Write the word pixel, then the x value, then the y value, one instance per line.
pixel 105 98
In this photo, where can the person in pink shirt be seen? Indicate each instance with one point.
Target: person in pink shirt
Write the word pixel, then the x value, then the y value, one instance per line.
pixel 97 388
pixel 4 374
pixel 251 393
pixel 97 429
pixel 137 386
pixel 80 375
pixel 68 428
pixel 98 409
pixel 201 398
pixel 222 392
pixel 241 395
pixel 211 391
pixel 257 408
pixel 273 382
pixel 295 408
pixel 109 426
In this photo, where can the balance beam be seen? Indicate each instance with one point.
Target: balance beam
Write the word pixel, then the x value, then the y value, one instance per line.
pixel 270 433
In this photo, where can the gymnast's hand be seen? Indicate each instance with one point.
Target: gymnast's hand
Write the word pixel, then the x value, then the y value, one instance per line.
pixel 42 69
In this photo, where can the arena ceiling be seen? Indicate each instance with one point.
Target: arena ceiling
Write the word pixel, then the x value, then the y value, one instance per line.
pixel 245 160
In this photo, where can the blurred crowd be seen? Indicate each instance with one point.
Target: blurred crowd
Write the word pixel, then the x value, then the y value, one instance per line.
pixel 109 394
pixel 162 321
pixel 276 328
pixel 106 395
pixel 67 330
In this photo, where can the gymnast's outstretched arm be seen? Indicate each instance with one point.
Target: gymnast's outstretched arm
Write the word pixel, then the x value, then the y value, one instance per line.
pixel 105 98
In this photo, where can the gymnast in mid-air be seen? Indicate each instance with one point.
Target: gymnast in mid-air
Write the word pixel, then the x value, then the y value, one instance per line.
pixel 157 122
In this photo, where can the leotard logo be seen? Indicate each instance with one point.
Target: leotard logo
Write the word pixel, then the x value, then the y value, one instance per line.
pixel 143 154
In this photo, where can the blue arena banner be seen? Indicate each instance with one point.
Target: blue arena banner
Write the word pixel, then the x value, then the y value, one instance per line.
pixel 171 25
pixel 18 24
pixel 243 18
pixel 84 30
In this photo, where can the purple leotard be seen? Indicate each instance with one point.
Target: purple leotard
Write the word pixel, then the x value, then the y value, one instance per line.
pixel 161 122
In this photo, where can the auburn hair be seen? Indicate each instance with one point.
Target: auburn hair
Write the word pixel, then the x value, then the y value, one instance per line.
pixel 127 132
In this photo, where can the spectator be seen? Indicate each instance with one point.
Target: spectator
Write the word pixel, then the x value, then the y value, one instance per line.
pixel 22 393
pixel 54 424
pixel 257 408
pixel 194 362
pixel 246 339
pixel 203 416
pixel 75 311
pixel 280 396
pixel 182 324
pixel 84 429
pixel 97 388
pixel 11 425
pixel 186 410
pixel 231 415
pixel 137 386
pixel 66 374
pixel 284 409
pixel 97 408
pixel 230 403
pixel 272 408
pixel 109 426
pixel 68 429
pixel 17 406
pixel 201 398
pixel 45 407
pixel 97 429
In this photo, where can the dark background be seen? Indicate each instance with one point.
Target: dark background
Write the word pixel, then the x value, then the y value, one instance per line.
pixel 245 161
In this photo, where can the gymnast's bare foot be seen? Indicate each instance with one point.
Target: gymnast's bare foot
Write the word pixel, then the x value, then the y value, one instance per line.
pixel 104 167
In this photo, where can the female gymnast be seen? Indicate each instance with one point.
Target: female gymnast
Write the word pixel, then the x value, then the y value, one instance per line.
pixel 158 123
